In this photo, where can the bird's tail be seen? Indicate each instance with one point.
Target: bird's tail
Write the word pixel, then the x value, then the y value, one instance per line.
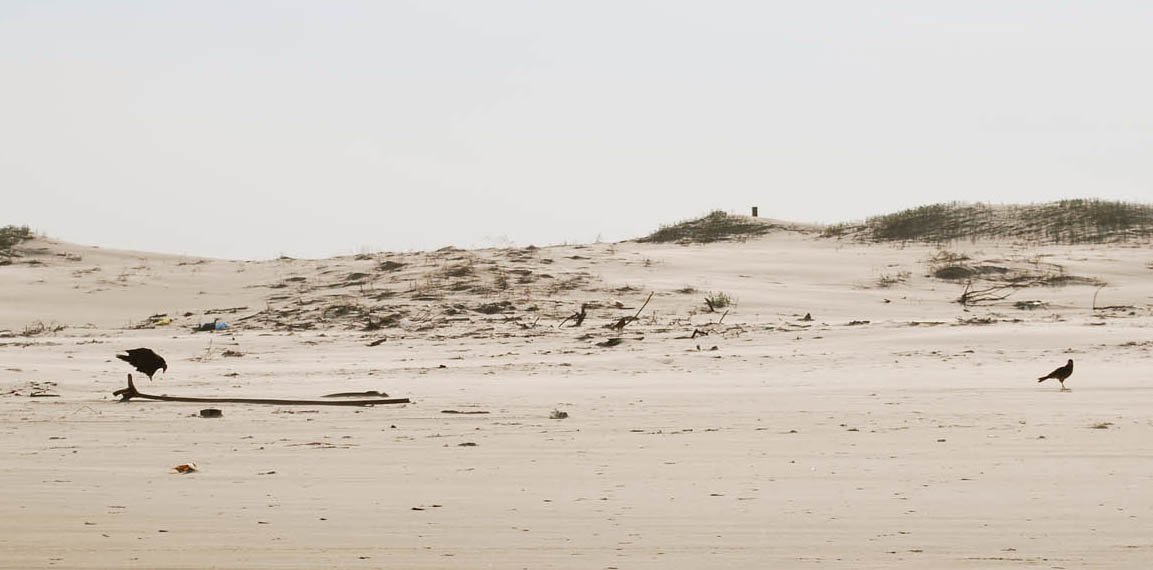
pixel 1043 378
pixel 123 357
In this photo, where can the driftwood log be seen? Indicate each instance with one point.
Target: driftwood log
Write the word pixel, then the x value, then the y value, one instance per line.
pixel 131 392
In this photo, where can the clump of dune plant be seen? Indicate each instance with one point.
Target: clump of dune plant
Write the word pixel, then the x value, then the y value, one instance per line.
pixel 718 300
pixel 10 237
pixel 713 227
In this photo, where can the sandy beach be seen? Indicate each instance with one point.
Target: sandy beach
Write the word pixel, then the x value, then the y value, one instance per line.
pixel 892 428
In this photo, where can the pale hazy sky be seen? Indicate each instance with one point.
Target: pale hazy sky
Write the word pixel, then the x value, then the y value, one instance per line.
pixel 252 129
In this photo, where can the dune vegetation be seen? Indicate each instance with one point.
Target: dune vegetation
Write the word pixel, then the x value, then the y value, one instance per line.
pixel 712 227
pixel 1065 221
pixel 10 237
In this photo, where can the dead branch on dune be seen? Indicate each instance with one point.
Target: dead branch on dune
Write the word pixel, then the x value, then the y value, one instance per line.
pixel 970 296
pixel 710 327
pixel 131 392
pixel 620 324
pixel 577 318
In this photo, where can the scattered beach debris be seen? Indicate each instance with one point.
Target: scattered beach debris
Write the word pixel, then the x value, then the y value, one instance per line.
pixel 206 327
pixel 35 389
pixel 463 412
pixel 211 413
pixel 610 342
pixel 153 321
pixel 558 415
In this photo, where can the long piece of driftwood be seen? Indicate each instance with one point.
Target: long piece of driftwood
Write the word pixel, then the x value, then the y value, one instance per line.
pixel 131 392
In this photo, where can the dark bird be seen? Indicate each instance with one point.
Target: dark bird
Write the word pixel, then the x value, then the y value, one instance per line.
pixel 1060 374
pixel 144 360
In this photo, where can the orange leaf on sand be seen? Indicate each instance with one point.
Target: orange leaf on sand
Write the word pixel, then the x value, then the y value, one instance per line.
pixel 185 468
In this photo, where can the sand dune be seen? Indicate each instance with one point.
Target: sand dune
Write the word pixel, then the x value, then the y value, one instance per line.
pixel 896 428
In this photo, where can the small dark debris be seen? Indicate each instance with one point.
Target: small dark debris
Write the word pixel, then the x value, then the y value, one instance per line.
pixel 366 394
pixel 494 308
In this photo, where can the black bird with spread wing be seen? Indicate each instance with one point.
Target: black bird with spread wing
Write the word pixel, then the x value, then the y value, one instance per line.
pixel 1060 374
pixel 144 360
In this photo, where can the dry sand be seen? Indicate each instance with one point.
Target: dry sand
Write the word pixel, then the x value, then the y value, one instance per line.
pixel 917 437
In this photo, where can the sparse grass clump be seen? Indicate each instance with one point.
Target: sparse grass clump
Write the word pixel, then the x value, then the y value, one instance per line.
pixel 716 226
pixel 887 280
pixel 718 300
pixel 41 328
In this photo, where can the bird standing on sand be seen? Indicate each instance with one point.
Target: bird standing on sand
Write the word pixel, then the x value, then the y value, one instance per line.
pixel 1060 374
pixel 144 360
